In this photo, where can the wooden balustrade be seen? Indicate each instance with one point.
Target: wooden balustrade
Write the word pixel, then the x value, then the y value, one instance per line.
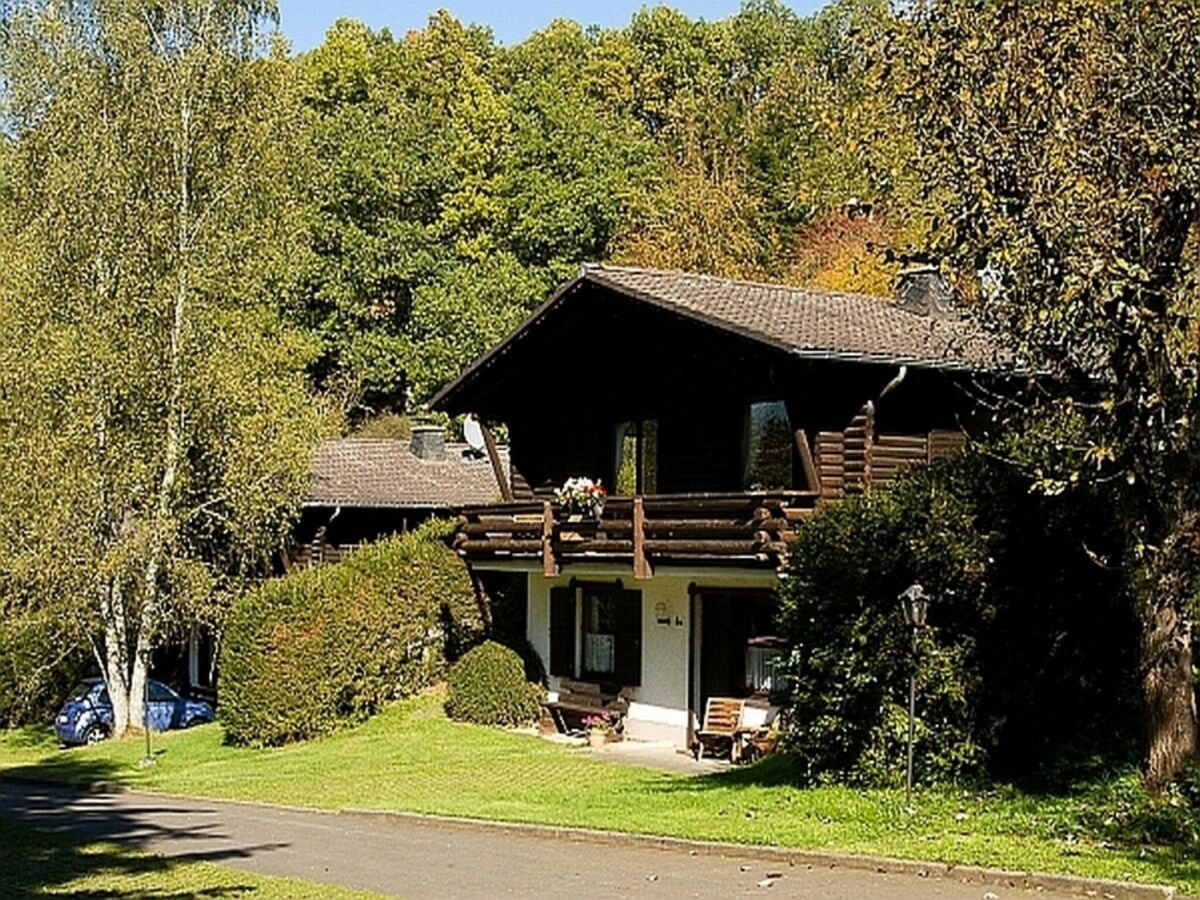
pixel 746 529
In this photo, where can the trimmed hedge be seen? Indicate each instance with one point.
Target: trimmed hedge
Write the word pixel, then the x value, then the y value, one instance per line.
pixel 326 646
pixel 38 666
pixel 488 687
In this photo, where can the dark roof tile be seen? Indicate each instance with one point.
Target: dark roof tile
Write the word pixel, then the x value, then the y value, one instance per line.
pixel 386 473
pixel 812 322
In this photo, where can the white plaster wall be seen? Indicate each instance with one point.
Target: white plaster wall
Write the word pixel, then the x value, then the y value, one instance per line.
pixel 658 709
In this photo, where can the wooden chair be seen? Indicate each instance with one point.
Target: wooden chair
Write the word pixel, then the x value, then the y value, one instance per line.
pixel 722 722
pixel 759 732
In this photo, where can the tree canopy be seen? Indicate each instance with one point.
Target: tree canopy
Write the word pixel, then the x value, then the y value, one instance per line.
pixel 154 420
pixel 459 180
pixel 1059 146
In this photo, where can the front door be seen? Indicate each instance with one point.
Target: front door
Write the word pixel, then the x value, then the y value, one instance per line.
pixel 738 645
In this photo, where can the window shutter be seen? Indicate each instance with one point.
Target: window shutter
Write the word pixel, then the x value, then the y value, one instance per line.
pixel 562 632
pixel 629 638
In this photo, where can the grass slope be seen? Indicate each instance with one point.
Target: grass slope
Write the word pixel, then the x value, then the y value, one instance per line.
pixel 35 863
pixel 412 758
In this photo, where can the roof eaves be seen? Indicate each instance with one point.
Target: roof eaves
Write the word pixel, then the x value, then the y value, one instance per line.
pixel 447 393
pixel 381 504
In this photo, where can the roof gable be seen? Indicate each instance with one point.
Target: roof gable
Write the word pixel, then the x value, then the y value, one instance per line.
pixel 801 322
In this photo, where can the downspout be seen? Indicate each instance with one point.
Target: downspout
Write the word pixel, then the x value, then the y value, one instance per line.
pixel 894 383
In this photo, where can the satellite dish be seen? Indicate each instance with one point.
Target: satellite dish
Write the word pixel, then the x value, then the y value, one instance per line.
pixel 473 433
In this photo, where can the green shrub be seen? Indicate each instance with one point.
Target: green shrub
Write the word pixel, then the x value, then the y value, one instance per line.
pixel 488 687
pixel 38 666
pixel 1031 646
pixel 326 646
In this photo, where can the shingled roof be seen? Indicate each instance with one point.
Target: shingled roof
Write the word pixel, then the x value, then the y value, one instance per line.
pixel 386 473
pixel 804 322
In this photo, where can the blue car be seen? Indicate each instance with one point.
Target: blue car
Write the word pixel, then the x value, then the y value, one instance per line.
pixel 87 715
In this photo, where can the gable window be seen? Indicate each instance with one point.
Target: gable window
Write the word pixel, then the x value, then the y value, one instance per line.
pixel 769 447
pixel 637 457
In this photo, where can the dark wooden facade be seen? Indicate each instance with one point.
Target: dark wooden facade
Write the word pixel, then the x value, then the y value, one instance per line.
pixel 563 387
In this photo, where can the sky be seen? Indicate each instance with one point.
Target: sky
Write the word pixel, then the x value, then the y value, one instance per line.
pixel 306 21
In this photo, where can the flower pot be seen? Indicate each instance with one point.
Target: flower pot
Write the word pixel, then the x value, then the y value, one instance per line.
pixel 597 739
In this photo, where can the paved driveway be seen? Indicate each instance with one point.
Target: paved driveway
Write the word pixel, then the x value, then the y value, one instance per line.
pixel 418 858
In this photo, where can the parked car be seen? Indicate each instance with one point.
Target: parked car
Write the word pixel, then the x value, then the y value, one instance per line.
pixel 87 715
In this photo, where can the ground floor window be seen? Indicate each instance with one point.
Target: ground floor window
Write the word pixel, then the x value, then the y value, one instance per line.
pixel 596 633
pixel 599 634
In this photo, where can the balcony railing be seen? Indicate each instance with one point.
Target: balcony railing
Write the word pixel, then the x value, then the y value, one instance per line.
pixel 736 529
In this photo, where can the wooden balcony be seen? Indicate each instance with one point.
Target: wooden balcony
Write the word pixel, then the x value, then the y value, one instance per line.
pixel 743 529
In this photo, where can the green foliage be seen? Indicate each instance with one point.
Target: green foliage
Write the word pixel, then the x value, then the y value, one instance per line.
pixel 37 667
pixel 1059 146
pixel 327 646
pixel 459 180
pixel 1008 677
pixel 155 428
pixel 488 687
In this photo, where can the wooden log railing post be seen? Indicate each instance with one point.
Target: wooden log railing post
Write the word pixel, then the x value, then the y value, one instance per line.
pixel 641 565
pixel 502 478
pixel 811 478
pixel 549 563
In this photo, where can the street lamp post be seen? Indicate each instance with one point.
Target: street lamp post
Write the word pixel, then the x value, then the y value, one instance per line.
pixel 148 759
pixel 915 604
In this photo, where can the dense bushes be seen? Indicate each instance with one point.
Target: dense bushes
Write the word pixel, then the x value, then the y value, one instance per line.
pixel 488 687
pixel 327 645
pixel 1030 653
pixel 38 666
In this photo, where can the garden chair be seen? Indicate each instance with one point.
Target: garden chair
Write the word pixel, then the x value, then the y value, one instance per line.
pixel 719 731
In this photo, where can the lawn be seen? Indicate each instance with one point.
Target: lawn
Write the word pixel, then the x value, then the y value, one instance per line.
pixel 412 758
pixel 36 863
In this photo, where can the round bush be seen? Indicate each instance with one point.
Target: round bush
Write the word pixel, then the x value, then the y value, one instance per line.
pixel 488 687
pixel 326 646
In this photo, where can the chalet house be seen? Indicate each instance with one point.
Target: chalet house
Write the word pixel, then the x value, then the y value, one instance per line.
pixel 717 413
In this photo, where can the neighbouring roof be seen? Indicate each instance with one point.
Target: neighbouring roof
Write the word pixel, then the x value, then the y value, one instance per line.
pixel 376 472
pixel 804 322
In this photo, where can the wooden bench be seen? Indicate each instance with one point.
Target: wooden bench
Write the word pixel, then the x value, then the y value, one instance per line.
pixel 579 699
pixel 719 731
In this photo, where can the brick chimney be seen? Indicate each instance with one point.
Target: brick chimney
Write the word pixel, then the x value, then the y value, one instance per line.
pixel 920 288
pixel 428 442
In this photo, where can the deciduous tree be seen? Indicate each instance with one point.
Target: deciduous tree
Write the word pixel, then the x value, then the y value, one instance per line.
pixel 154 421
pixel 1060 146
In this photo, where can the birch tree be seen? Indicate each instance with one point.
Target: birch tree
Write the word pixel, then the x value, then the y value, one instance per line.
pixel 154 422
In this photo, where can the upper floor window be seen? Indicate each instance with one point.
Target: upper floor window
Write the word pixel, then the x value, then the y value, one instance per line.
pixel 769 446
pixel 637 457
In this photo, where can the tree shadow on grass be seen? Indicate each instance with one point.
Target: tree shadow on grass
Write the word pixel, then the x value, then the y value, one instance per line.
pixel 185 834
pixel 35 862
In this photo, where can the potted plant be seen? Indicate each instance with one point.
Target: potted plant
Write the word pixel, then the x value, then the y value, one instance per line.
pixel 581 496
pixel 599 726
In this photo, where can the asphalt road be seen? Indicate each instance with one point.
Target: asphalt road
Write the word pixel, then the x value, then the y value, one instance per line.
pixel 415 858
